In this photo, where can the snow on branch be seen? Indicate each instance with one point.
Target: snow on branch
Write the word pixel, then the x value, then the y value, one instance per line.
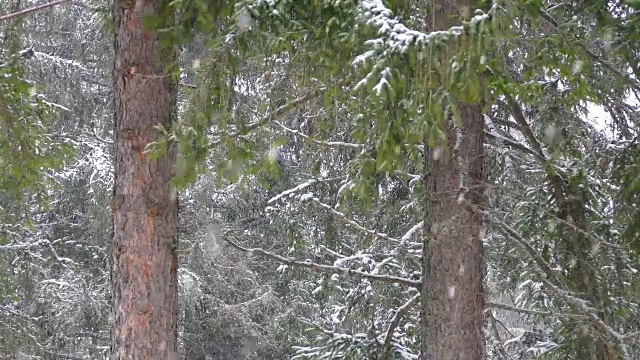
pixel 325 268
pixel 413 229
pixel 396 38
pixel 513 144
pixel 302 186
pixel 18 314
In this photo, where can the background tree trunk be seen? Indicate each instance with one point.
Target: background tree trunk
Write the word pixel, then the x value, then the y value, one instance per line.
pixel 143 269
pixel 452 298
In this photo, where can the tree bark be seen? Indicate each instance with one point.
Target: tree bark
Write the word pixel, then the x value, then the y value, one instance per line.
pixel 145 212
pixel 452 297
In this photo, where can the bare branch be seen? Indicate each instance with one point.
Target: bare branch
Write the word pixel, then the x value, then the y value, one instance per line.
pixel 496 334
pixel 523 125
pixel 325 268
pixel 191 86
pixel 18 314
pixel 502 306
pixel 30 10
pixel 280 111
pixel 320 142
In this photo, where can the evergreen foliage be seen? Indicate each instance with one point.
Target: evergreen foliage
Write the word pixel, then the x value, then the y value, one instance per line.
pixel 300 127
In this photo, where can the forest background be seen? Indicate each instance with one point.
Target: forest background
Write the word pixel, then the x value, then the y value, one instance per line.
pixel 311 138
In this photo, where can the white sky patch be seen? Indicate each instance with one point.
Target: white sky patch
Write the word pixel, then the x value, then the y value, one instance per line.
pixel 599 118
pixel 244 20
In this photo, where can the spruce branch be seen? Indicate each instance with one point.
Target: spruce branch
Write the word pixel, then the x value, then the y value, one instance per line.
pixel 395 321
pixel 324 268
pixel 632 81
pixel 546 276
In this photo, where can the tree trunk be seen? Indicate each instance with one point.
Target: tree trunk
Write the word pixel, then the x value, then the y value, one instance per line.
pixel 145 212
pixel 452 298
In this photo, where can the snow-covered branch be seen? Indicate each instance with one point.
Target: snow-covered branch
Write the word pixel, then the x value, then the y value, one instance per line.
pixel 324 268
pixel 302 186
pixel 513 144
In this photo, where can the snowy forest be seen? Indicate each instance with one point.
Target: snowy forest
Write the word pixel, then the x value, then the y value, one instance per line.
pixel 319 179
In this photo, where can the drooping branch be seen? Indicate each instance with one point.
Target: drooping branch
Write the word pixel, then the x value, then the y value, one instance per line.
pixel 30 10
pixel 325 268
pixel 631 80
pixel 400 312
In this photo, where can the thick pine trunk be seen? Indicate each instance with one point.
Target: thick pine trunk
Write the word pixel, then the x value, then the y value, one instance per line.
pixel 144 264
pixel 452 297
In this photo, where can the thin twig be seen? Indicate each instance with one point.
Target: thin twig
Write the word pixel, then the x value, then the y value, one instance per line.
pixel 320 142
pixel 502 306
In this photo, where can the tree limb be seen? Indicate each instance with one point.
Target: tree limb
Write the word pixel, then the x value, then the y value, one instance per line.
pixel 30 10
pixel 502 306
pixel 326 268
pixel 400 312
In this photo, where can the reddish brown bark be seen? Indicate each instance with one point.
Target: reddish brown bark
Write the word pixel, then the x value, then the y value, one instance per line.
pixel 452 299
pixel 143 269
